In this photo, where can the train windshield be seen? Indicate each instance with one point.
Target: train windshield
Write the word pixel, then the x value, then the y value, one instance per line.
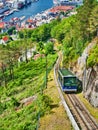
pixel 70 81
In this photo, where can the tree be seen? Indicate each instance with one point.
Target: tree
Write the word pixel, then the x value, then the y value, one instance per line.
pixel 93 21
pixel 49 47
pixel 40 46
pixel 10 30
pixel 83 15
pixel 21 34
pixel 3 66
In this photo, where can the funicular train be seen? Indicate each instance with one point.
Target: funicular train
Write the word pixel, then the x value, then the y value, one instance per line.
pixel 67 80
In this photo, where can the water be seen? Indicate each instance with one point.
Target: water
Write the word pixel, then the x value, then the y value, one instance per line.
pixel 31 10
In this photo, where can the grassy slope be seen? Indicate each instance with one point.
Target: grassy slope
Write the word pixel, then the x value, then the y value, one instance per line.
pixel 57 118
pixel 25 118
pixel 91 109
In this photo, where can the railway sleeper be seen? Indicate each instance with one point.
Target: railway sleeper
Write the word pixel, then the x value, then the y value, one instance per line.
pixel 84 120
pixel 88 113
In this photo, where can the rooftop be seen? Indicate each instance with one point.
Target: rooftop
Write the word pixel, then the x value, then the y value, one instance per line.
pixel 66 72
pixel 2 24
pixel 61 8
pixel 30 21
pixel 5 38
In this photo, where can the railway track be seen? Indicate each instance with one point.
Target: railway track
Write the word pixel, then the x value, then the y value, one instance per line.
pixel 83 116
pixel 77 108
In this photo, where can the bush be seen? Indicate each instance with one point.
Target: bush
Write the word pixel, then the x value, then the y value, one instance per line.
pixel 93 57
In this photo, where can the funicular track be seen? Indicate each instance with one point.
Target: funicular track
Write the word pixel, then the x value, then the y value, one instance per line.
pixel 78 110
pixel 84 118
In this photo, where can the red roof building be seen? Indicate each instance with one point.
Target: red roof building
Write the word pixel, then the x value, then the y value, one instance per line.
pixel 2 25
pixel 5 39
pixel 30 21
pixel 61 8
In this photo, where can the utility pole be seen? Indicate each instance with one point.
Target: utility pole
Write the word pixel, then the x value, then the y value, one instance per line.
pixel 46 71
pixel 25 42
pixel 85 75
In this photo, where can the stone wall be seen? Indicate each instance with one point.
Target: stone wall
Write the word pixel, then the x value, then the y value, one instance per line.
pixel 91 87
pixel 88 76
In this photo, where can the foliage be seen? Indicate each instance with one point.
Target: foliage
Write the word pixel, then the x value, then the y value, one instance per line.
pixel 49 48
pixel 93 21
pixel 10 30
pixel 42 33
pixel 93 57
pixel 76 31
pixel 28 81
pixel 26 117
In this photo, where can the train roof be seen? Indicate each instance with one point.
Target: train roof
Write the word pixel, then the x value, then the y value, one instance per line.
pixel 66 73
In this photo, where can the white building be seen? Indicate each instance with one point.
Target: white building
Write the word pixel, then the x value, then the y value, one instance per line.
pixel 14 3
pixel 71 2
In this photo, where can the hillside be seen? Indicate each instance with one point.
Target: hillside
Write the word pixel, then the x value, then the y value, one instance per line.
pixel 22 100
pixel 25 94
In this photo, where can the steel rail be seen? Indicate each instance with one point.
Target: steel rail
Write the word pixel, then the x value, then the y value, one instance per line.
pixel 70 115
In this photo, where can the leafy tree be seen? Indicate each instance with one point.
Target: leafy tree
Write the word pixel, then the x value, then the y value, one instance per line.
pixel 14 32
pixel 83 15
pixel 10 30
pixel 3 65
pixel 93 21
pixel 40 46
pixel 21 35
pixel 93 57
pixel 42 33
pixel 49 47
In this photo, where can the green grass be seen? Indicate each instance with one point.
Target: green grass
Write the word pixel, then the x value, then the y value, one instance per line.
pixel 29 80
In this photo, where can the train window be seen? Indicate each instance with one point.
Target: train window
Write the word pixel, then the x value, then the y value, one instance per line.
pixel 70 81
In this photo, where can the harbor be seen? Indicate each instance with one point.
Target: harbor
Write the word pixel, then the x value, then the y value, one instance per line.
pixel 32 9
pixel 33 15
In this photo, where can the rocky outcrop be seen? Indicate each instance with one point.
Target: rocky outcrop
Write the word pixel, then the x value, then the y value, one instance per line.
pixel 88 76
pixel 91 87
